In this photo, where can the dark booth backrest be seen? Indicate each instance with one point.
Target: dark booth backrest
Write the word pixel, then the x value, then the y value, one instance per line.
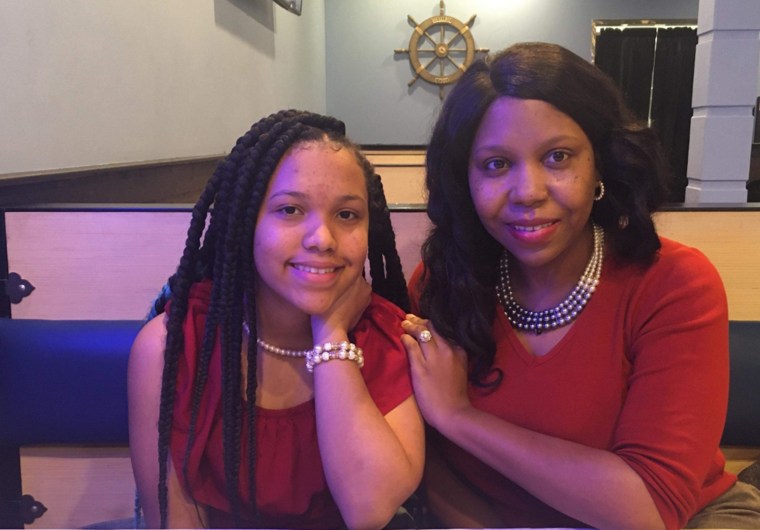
pixel 64 381
pixel 743 421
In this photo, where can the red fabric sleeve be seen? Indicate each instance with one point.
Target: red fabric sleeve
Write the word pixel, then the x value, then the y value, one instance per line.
pixel 386 368
pixel 675 408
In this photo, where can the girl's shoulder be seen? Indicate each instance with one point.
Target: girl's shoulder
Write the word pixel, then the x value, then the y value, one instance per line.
pixel 384 310
pixel 149 342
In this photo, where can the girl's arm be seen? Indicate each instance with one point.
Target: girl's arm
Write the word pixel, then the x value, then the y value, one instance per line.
pixel 372 463
pixel 144 374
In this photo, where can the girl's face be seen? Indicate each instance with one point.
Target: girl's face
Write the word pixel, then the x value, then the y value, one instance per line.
pixel 532 178
pixel 310 241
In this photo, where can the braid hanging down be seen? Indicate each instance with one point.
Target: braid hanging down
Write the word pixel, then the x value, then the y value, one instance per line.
pixel 223 252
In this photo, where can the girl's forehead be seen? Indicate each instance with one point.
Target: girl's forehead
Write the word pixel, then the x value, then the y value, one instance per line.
pixel 320 165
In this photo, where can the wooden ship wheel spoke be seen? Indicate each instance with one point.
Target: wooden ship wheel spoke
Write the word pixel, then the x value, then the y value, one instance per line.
pixel 435 38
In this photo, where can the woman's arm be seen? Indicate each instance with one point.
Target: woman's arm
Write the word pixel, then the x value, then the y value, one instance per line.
pixel 144 374
pixel 442 485
pixel 372 463
pixel 591 485
pixel 667 433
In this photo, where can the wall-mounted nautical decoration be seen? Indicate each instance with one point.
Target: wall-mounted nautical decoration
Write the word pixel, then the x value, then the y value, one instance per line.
pixel 440 49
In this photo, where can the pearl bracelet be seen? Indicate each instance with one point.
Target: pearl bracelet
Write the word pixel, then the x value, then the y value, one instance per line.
pixel 334 350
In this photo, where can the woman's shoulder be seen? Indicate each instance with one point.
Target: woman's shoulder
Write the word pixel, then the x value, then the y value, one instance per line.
pixel 673 259
pixel 672 249
pixel 679 260
pixel 678 276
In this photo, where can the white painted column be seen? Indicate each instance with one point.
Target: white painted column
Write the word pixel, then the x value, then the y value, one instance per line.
pixel 724 95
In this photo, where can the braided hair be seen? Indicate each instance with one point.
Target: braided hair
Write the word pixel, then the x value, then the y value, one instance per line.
pixel 231 200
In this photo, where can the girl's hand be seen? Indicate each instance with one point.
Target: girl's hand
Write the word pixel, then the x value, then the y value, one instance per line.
pixel 439 371
pixel 335 323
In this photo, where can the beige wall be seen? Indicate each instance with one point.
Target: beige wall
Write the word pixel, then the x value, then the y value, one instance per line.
pixel 86 83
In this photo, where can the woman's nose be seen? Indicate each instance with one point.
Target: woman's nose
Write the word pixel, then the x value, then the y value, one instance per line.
pixel 528 184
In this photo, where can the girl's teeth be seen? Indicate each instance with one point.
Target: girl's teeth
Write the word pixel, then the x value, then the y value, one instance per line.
pixel 313 270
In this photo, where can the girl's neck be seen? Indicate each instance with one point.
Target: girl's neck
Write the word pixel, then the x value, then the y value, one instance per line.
pixel 284 329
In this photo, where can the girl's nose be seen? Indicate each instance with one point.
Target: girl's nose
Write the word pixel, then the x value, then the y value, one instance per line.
pixel 319 236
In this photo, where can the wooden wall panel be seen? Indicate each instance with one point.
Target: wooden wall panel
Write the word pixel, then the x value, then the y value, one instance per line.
pixel 731 240
pixel 403 174
pixel 93 264
pixel 104 265
pixel 110 264
pixel 79 486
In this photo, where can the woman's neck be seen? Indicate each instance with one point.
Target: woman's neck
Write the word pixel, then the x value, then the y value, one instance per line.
pixel 538 288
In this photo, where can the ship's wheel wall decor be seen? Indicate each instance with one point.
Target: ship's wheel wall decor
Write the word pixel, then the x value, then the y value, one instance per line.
pixel 440 49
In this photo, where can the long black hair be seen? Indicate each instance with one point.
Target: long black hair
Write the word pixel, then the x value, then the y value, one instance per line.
pixel 232 199
pixel 460 257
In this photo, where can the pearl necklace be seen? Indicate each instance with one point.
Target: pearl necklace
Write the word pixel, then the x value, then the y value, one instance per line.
pixel 282 351
pixel 271 348
pixel 563 313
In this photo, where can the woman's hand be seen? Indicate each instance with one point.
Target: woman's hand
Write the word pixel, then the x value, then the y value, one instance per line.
pixel 439 371
pixel 335 323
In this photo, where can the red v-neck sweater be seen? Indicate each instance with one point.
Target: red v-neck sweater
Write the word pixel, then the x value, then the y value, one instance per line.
pixel 643 373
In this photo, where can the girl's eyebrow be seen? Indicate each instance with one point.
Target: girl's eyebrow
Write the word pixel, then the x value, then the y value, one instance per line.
pixel 351 197
pixel 301 195
pixel 289 193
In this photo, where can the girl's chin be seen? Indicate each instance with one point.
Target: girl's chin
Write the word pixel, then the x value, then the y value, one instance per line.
pixel 312 307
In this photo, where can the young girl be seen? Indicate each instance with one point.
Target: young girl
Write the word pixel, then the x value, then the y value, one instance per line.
pixel 276 378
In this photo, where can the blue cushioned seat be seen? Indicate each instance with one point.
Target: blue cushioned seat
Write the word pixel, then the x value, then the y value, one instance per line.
pixel 64 381
pixel 743 420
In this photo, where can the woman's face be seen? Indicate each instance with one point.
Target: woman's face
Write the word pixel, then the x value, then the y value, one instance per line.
pixel 532 179
pixel 310 241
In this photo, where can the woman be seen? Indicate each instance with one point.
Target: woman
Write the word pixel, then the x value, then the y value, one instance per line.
pixel 276 378
pixel 574 364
